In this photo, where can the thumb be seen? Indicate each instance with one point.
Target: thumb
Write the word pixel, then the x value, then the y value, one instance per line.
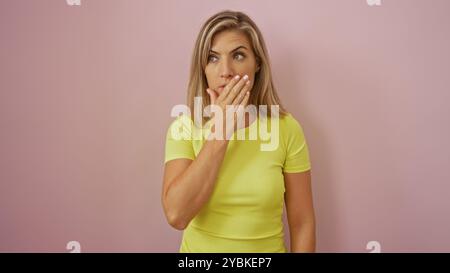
pixel 212 95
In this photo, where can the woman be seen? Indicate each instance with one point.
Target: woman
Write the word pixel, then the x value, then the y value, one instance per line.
pixel 228 195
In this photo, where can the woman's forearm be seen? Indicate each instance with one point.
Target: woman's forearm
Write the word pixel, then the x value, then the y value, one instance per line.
pixel 192 189
pixel 303 238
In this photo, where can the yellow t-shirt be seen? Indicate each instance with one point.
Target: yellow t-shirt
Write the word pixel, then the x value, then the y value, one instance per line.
pixel 244 212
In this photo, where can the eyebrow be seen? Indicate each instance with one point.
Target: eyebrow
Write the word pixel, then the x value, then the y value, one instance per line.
pixel 239 47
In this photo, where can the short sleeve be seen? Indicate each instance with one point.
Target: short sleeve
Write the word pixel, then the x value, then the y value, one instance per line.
pixel 297 153
pixel 179 139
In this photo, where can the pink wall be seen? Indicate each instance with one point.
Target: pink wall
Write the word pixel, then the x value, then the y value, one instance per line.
pixel 86 94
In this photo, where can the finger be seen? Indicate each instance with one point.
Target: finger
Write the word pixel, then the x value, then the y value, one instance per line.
pixel 243 104
pixel 212 95
pixel 236 90
pixel 237 100
pixel 244 101
pixel 229 87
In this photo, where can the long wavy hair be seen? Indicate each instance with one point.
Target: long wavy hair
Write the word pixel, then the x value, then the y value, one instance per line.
pixel 263 92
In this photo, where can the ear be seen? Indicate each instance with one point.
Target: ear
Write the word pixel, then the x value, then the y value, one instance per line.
pixel 258 64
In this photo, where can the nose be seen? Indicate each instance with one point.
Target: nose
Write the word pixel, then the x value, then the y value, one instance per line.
pixel 226 70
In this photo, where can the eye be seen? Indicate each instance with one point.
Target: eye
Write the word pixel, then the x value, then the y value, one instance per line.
pixel 211 58
pixel 239 56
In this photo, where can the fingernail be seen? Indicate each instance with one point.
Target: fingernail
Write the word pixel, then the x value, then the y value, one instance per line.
pixel 245 77
pixel 237 77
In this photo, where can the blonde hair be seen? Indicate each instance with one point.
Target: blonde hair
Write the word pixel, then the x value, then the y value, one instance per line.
pixel 263 92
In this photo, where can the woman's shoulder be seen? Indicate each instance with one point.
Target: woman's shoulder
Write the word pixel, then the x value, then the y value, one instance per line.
pixel 289 121
pixel 290 126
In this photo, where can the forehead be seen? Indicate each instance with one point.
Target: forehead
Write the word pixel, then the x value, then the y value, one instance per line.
pixel 228 40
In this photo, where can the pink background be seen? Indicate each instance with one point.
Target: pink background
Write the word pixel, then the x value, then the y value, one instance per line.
pixel 86 94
